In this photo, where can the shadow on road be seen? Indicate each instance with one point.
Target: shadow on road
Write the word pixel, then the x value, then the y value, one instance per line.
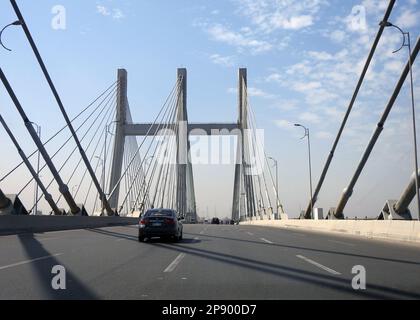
pixel 75 288
pixel 333 282
pixel 313 249
pixel 135 238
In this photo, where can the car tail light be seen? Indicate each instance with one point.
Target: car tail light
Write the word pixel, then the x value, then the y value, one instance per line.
pixel 169 221
pixel 144 221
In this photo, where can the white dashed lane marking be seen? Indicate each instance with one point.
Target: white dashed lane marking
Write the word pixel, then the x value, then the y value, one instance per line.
pixel 266 241
pixel 319 265
pixel 29 261
pixel 174 263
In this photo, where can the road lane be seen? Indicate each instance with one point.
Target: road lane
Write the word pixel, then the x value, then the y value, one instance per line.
pixel 212 262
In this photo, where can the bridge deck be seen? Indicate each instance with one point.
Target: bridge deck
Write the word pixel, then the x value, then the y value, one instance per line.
pixel 213 262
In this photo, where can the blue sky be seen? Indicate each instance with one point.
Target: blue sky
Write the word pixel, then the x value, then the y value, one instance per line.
pixel 303 60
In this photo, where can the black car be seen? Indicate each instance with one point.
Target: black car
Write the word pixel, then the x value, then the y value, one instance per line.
pixel 215 221
pixel 163 223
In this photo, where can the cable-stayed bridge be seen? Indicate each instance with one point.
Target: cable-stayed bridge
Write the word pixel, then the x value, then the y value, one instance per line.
pixel 130 175
pixel 104 168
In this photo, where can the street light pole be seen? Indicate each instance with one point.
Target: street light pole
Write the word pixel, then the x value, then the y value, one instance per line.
pixel 38 130
pixel 103 179
pixel 307 134
pixel 413 109
pixel 277 182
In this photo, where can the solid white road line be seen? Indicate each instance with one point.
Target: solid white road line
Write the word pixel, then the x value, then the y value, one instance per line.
pixel 319 265
pixel 174 263
pixel 340 242
pixel 267 241
pixel 29 261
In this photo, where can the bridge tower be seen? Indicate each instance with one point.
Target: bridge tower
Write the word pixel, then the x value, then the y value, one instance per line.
pixel 244 205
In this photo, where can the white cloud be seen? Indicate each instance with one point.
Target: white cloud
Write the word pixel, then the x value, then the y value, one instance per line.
pixel 324 135
pixel 115 13
pixel 103 10
pixel 286 105
pixel 256 92
pixel 408 19
pixel 306 86
pixel 320 55
pixel 337 36
pixel 223 34
pixel 297 22
pixel 271 15
pixel 253 92
pixel 310 117
pixel 284 124
pixel 226 61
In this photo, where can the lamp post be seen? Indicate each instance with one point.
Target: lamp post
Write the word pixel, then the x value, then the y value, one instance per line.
pixel 307 134
pixel 406 36
pixel 107 131
pixel 38 130
pixel 103 178
pixel 16 23
pixel 277 183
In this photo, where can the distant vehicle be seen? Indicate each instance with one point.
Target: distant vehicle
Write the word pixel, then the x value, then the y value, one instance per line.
pixel 163 223
pixel 215 221
pixel 232 222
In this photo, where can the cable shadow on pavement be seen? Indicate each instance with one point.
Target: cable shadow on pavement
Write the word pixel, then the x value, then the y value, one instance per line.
pixel 332 282
pixel 75 289
pixel 312 249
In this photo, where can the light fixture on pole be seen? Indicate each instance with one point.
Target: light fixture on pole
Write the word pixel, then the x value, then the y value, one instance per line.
pixel 16 23
pixel 307 134
pixel 407 43
pixel 277 183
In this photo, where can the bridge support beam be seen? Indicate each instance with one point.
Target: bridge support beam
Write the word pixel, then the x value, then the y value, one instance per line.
pixel 119 142
pixel 4 201
pixel 242 168
pixel 182 142
pixel 338 212
pixel 398 210
pixel 63 188
pixel 11 205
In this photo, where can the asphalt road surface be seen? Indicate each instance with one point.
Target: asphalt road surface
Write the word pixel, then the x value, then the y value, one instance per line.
pixel 212 262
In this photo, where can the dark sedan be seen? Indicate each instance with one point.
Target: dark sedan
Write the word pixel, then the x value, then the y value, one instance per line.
pixel 163 223
pixel 215 221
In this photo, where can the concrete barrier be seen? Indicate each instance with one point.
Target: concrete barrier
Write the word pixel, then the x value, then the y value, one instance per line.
pixel 388 229
pixel 32 224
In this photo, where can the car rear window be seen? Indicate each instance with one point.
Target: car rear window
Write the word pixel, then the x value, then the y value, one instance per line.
pixel 159 213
